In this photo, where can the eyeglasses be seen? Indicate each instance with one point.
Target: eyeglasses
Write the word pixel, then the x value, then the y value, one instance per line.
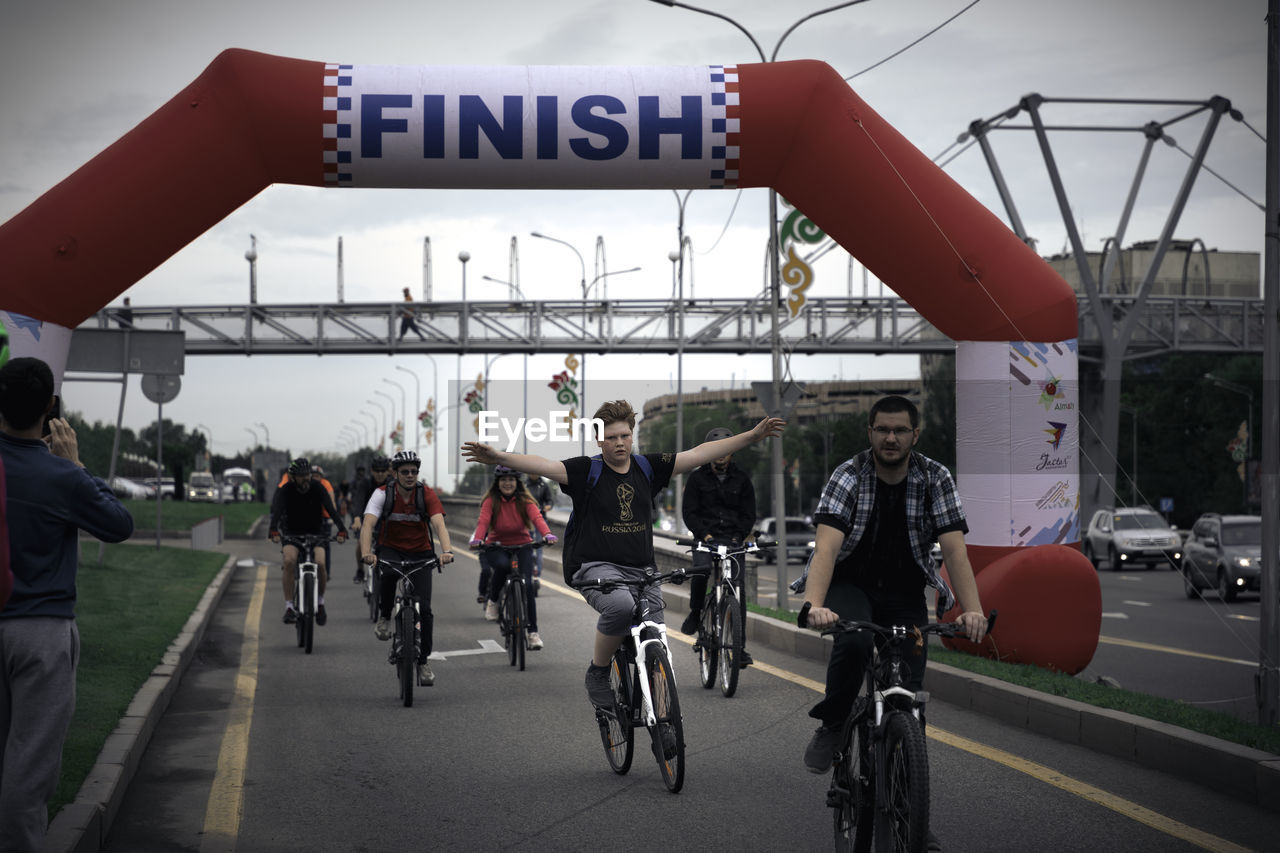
pixel 412 472
pixel 896 432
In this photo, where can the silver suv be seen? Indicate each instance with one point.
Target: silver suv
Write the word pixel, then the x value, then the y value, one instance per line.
pixel 1223 551
pixel 1132 536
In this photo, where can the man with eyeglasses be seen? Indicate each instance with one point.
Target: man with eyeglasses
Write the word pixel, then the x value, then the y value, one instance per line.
pixel 407 513
pixel 877 519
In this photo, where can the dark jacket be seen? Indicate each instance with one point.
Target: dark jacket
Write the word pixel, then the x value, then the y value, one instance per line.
pixel 723 510
pixel 48 501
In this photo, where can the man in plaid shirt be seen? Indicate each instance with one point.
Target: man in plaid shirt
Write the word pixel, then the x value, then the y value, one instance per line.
pixel 878 517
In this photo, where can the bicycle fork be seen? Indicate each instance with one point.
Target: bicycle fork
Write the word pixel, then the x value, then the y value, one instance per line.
pixel 396 649
pixel 643 652
pixel 306 603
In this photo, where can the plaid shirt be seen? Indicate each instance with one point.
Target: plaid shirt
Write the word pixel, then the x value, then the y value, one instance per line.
pixel 933 507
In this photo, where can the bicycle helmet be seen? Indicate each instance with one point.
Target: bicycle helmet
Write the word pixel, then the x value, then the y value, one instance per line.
pixel 379 463
pixel 316 469
pixel 405 457
pixel 717 434
pixel 500 471
pixel 300 466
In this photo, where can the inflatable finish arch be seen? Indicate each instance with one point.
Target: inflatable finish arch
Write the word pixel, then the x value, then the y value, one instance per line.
pixel 252 119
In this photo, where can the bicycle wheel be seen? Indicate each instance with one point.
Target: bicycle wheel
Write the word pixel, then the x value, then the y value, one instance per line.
pixel 902 826
pixel 519 623
pixel 505 623
pixel 851 795
pixel 731 639
pixel 371 592
pixel 408 660
pixel 307 618
pixel 616 731
pixel 668 730
pixel 708 642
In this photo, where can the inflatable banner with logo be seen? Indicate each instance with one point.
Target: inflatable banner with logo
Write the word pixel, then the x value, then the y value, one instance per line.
pixel 252 119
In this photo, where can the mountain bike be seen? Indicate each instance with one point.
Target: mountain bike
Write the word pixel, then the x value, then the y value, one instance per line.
pixel 371 585
pixel 722 633
pixel 306 586
pixel 880 775
pixel 644 685
pixel 406 643
pixel 513 605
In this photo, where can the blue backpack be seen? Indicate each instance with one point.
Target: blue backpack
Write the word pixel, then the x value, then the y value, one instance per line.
pixel 593 477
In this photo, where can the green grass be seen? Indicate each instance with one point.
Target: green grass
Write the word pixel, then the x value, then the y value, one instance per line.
pixel 1169 711
pixel 128 612
pixel 181 516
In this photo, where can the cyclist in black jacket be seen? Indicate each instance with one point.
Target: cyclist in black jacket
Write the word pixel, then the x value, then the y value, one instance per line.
pixel 298 510
pixel 719 509
pixel 361 490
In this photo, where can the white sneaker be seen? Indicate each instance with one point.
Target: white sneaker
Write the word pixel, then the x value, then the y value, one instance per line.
pixel 491 611
pixel 383 629
pixel 535 642
pixel 426 677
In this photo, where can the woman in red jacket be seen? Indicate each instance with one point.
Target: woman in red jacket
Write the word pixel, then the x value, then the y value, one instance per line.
pixel 508 514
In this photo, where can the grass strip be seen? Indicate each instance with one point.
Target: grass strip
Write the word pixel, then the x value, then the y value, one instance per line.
pixel 1213 723
pixel 181 516
pixel 128 612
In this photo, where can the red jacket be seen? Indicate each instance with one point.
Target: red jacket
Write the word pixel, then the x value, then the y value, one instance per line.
pixel 506 527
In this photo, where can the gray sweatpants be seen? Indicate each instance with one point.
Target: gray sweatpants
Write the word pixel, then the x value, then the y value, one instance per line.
pixel 38 658
pixel 616 607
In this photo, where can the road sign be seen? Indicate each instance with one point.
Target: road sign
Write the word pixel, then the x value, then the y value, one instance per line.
pixel 161 388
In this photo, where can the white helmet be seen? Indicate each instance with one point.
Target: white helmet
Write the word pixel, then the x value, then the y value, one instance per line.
pixel 405 457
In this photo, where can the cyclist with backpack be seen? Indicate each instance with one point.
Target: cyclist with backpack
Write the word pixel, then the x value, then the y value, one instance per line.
pixel 610 534
pixel 507 515
pixel 362 489
pixel 406 512
pixel 298 509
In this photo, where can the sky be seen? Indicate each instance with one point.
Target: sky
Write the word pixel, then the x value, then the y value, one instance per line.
pixel 76 76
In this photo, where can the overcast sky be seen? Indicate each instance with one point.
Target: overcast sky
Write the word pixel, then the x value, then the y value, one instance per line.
pixel 75 76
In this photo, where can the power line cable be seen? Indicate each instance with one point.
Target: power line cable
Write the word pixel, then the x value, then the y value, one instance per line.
pixel 916 42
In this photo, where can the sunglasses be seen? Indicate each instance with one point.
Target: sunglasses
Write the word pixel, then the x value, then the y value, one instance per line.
pixel 412 472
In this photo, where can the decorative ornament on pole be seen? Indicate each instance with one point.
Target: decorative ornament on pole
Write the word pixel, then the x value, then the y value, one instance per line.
pixel 796 274
pixel 565 384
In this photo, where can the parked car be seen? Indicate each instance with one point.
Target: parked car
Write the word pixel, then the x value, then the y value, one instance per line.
pixel 1128 536
pixel 202 487
pixel 127 489
pixel 164 486
pixel 800 533
pixel 1223 551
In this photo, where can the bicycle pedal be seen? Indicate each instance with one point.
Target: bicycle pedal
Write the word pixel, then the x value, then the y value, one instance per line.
pixel 837 797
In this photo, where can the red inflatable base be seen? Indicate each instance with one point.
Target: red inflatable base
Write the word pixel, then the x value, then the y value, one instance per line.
pixel 1049 603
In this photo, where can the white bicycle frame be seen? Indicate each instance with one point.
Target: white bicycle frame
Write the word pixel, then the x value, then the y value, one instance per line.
pixel 306 568
pixel 643 651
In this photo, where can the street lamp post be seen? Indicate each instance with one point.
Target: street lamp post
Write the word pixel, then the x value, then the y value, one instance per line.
pixel 206 429
pixel 391 406
pixel 266 434
pixel 253 433
pixel 373 430
pixel 1248 430
pixel 404 408
pixel 417 407
pixel 435 396
pixel 383 432
pixel 775 292
pixel 463 257
pixel 582 265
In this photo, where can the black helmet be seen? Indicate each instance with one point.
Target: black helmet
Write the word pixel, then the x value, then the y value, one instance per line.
pixel 379 463
pixel 718 433
pixel 500 471
pixel 300 466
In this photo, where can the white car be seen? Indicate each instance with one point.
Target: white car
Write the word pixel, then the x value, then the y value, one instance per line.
pixel 129 489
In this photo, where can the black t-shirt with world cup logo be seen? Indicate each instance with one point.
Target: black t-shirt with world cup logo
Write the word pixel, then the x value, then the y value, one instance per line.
pixel 613 521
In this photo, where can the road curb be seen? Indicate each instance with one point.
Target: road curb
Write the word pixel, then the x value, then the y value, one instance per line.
pixel 82 825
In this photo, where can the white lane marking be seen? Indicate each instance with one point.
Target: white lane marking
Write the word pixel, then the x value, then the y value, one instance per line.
pixel 487 647
pixel 1115 615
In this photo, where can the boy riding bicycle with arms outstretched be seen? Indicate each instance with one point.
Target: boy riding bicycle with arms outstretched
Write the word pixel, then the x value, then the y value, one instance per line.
pixel 611 531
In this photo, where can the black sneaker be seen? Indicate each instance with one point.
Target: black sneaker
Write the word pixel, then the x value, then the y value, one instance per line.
pixel 598 689
pixel 690 624
pixel 745 659
pixel 821 749
pixel 931 842
pixel 321 616
pixel 290 616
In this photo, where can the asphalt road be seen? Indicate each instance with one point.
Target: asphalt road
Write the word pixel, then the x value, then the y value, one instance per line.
pixel 495 759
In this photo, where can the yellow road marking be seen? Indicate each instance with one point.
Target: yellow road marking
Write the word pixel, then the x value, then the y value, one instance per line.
pixel 1151 647
pixel 226 798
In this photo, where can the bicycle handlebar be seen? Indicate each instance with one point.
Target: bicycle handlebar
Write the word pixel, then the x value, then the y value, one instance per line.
pixel 412 565
pixel 498 546
pixel 651 578
pixel 942 629
pixel 699 545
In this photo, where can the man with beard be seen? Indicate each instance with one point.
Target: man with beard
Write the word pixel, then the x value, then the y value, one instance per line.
pixel 298 509
pixel 877 519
